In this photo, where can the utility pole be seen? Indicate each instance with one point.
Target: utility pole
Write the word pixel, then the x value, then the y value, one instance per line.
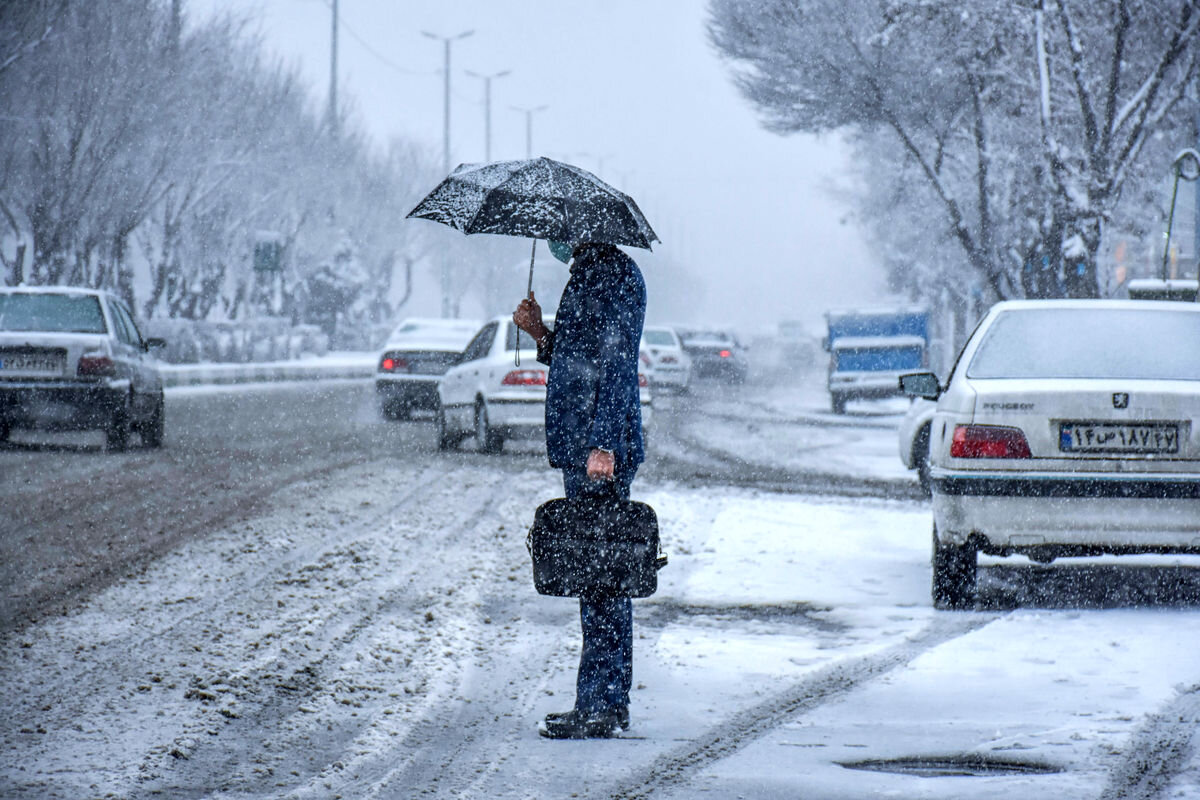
pixel 446 41
pixel 333 113
pixel 529 112
pixel 487 108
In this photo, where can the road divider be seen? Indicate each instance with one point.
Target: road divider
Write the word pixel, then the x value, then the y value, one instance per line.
pixel 342 365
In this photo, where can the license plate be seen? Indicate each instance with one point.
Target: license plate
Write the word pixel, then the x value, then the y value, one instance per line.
pixel 1116 437
pixel 31 363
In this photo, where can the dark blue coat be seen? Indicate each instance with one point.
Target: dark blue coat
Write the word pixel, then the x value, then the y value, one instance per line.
pixel 592 397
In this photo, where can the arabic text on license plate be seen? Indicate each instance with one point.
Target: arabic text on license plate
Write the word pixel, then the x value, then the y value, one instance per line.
pixel 1109 437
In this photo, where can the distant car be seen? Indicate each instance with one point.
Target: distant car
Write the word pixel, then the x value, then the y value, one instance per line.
pixel 418 353
pixel 714 354
pixel 486 395
pixel 670 366
pixel 74 359
pixel 1068 428
pixel 914 438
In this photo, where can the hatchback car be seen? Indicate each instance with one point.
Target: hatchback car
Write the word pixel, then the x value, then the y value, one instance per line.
pixel 670 367
pixel 413 361
pixel 486 394
pixel 1067 428
pixel 73 359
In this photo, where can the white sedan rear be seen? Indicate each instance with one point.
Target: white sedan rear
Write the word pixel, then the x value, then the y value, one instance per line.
pixel 1068 428
pixel 486 394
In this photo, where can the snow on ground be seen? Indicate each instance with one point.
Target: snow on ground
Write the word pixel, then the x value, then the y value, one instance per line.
pixel 790 426
pixel 358 634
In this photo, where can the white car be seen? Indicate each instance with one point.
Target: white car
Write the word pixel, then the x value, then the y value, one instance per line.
pixel 914 438
pixel 74 359
pixel 418 353
pixel 1068 428
pixel 670 367
pixel 488 396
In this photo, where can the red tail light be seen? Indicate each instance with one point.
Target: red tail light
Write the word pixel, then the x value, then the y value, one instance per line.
pixel 989 441
pixel 525 377
pixel 725 354
pixel 393 364
pixel 96 365
pixel 642 382
pixel 645 359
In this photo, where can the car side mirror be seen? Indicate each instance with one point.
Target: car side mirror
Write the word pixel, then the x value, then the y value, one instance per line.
pixel 921 384
pixel 155 342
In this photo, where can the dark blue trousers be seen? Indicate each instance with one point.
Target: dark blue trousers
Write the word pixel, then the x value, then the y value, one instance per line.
pixel 606 662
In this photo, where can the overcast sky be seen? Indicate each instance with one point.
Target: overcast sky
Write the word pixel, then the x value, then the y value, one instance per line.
pixel 633 92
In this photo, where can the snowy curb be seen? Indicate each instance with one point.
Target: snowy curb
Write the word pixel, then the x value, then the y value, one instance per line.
pixel 357 365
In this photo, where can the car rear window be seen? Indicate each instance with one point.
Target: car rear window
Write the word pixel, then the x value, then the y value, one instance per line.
pixel 660 338
pixel 52 313
pixel 1152 344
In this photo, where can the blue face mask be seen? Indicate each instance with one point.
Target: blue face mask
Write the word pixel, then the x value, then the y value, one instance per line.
pixel 561 250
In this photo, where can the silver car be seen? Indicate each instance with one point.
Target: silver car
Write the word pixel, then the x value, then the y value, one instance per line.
pixel 1068 428
pixel 73 359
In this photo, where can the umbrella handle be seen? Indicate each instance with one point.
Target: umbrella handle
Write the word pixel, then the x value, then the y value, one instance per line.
pixel 528 292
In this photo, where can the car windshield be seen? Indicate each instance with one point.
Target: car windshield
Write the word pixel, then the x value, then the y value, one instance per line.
pixel 659 338
pixel 1153 344
pixel 54 313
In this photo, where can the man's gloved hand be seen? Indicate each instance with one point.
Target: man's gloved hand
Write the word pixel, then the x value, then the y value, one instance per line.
pixel 600 465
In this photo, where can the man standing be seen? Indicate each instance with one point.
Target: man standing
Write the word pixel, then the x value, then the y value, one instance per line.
pixel 594 435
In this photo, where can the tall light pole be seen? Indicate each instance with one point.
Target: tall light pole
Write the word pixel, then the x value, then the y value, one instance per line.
pixel 487 108
pixel 529 112
pixel 446 41
pixel 333 117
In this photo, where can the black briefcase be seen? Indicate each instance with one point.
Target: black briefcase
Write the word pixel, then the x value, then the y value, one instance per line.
pixel 595 547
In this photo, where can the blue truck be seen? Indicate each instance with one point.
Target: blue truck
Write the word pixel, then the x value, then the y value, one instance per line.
pixel 869 349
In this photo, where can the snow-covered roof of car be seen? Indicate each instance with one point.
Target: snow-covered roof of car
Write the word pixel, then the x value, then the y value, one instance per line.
pixel 433 333
pixel 872 342
pixel 1115 305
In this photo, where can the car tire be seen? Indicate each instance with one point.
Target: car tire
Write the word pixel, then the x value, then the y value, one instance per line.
pixel 921 459
pixel 954 571
pixel 837 403
pixel 120 424
pixel 152 429
pixel 487 439
pixel 445 440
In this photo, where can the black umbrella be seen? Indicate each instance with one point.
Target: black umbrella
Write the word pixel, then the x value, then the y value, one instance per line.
pixel 539 198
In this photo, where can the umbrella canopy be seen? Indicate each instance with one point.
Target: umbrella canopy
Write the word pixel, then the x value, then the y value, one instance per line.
pixel 538 198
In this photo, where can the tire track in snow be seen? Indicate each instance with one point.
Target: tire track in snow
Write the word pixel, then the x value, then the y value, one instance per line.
pixel 333 737
pixel 1158 751
pixel 674 769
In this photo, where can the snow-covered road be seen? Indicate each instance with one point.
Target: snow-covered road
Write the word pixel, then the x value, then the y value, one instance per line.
pixel 373 632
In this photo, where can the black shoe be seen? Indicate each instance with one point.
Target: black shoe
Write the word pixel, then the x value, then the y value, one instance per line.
pixel 622 716
pixel 578 725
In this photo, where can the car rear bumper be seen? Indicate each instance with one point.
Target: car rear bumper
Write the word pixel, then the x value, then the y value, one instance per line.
pixel 1069 514
pixel 68 405
pixel 414 391
pixel 670 376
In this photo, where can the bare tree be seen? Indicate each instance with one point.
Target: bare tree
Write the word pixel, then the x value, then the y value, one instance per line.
pixel 1022 122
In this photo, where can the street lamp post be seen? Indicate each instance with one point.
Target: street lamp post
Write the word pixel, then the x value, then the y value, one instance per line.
pixel 446 41
pixel 487 108
pixel 529 112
